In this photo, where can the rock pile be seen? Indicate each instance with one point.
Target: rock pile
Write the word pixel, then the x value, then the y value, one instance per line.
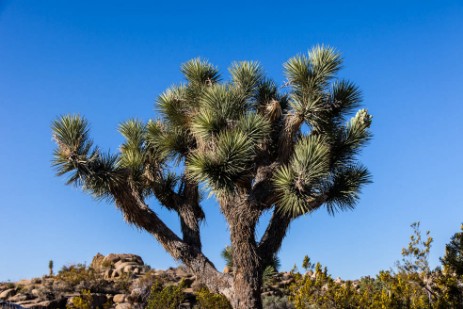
pixel 115 266
pixel 118 281
pixel 114 281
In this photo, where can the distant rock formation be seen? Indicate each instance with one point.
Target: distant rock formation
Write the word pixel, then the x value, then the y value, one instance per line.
pixel 116 281
pixel 115 266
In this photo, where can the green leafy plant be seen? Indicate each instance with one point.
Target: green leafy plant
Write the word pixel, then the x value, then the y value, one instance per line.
pixel 208 300
pixel 165 297
pixel 84 301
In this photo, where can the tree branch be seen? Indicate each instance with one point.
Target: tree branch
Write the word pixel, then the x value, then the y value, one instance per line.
pixel 136 211
pixel 185 202
pixel 276 230
pixel 273 237
pixel 292 124
pixel 190 213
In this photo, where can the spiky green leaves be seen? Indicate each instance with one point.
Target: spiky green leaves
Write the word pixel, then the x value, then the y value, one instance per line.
pixel 312 73
pixel 74 150
pixel 219 129
pixel 311 179
pixel 226 164
pixel 254 126
pixel 132 152
pixel 344 97
pixel 246 76
pixel 174 105
pixel 351 138
pixel 75 156
pixel 309 77
pixel 224 100
pixel 165 143
pixel 219 106
pixel 199 72
pixel 298 183
pixel 343 189
pixel 325 63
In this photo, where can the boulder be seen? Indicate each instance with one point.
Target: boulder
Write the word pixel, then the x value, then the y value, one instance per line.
pixel 113 258
pixel 97 262
pixel 21 297
pixel 48 304
pixel 119 298
pixel 7 293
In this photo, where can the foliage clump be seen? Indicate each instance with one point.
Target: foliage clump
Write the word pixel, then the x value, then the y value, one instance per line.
pixel 258 147
pixel 80 277
pixel 165 297
pixel 84 301
pixel 208 300
pixel 413 286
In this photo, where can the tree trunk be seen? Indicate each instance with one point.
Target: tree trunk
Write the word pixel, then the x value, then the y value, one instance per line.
pixel 247 285
pixel 247 274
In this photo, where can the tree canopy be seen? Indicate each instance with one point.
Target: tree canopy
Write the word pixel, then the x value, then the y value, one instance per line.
pixel 252 144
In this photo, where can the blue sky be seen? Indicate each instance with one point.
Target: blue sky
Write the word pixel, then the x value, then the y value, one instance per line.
pixel 108 60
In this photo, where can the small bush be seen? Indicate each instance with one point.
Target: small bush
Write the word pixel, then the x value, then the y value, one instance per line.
pixel 84 301
pixel 168 297
pixel 275 302
pixel 79 277
pixel 208 300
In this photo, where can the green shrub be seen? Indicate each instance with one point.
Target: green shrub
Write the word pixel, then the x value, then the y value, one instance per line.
pixel 84 301
pixel 276 302
pixel 75 274
pixel 79 277
pixel 165 297
pixel 208 300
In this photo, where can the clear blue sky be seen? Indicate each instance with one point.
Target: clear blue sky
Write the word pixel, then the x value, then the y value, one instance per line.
pixel 108 60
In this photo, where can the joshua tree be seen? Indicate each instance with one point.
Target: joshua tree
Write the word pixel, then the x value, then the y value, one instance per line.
pixel 253 145
pixel 50 267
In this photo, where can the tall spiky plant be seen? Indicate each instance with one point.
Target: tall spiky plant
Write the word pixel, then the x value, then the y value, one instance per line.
pixel 243 141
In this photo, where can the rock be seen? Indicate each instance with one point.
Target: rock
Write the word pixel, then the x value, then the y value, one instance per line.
pixel 48 304
pixel 20 297
pixel 36 292
pixel 7 293
pixel 113 258
pixel 185 306
pixel 123 306
pixel 108 273
pixel 182 272
pixel 119 298
pixel 24 282
pixel 227 270
pixel 97 262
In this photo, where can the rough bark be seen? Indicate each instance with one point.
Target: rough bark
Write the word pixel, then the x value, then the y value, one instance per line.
pixel 138 213
pixel 292 124
pixel 276 230
pixel 242 216
pixel 190 214
pixel 273 237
